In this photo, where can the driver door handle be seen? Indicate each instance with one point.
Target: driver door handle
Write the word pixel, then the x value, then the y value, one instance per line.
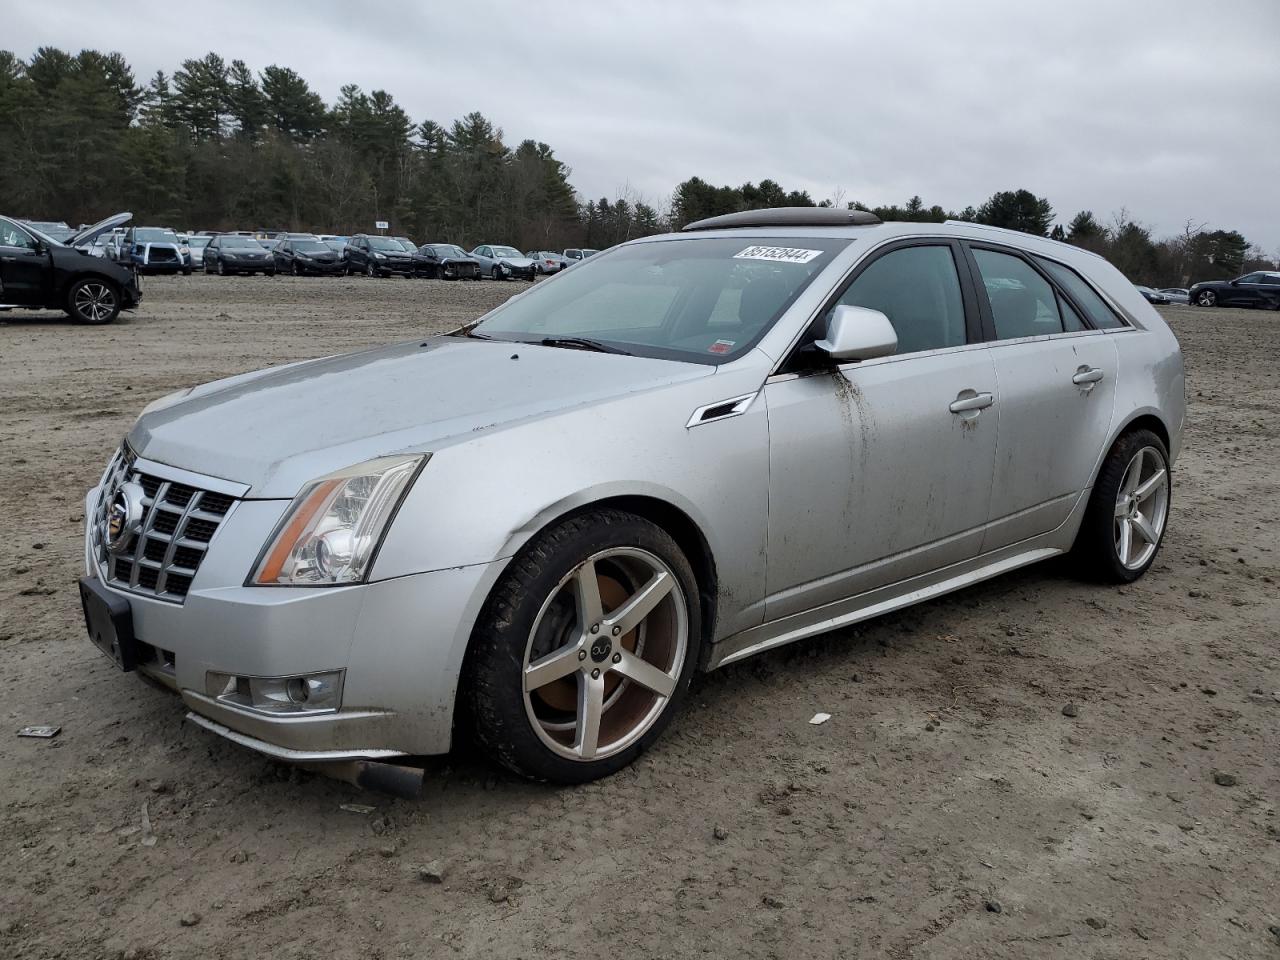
pixel 975 401
pixel 1087 375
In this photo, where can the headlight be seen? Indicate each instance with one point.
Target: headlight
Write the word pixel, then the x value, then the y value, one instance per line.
pixel 331 531
pixel 380 256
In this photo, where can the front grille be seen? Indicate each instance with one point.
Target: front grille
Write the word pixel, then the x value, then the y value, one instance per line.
pixel 178 522
pixel 162 255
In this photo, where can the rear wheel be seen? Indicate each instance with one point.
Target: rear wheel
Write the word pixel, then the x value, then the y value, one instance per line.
pixel 93 300
pixel 1207 298
pixel 1128 510
pixel 584 649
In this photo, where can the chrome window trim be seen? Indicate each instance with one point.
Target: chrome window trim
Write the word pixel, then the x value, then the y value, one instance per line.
pixel 843 278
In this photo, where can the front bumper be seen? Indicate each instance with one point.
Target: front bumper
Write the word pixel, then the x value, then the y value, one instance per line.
pixel 400 644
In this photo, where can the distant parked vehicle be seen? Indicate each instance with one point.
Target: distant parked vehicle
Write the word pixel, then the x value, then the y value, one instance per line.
pixel 422 267
pixel 377 256
pixel 1258 289
pixel 450 262
pixel 307 258
pixel 156 250
pixel 229 254
pixel 503 263
pixel 54 229
pixel 1152 296
pixel 548 261
pixel 1176 294
pixel 196 245
pixel 38 271
pixel 575 253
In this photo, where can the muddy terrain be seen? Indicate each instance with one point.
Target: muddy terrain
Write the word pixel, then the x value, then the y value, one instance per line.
pixel 1037 767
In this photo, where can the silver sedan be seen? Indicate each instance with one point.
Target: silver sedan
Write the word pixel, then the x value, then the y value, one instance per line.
pixel 685 451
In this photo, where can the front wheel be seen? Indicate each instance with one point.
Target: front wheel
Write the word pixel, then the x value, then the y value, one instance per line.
pixel 93 300
pixel 1128 510
pixel 369 270
pixel 584 649
pixel 496 274
pixel 1207 298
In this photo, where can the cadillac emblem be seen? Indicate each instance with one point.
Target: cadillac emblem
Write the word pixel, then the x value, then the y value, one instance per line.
pixel 124 516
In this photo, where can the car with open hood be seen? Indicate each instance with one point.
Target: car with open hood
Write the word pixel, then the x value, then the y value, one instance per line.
pixel 41 272
pixel 503 263
pixel 689 449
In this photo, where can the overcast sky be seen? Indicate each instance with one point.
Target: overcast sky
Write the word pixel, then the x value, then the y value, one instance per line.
pixel 1168 108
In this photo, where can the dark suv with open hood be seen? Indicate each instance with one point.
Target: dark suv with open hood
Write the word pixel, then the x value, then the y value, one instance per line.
pixel 38 271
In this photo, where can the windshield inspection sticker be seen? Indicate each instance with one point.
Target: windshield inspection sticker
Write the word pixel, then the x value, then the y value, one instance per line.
pixel 778 254
pixel 721 346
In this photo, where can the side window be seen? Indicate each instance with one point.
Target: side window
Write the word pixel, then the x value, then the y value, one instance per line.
pixel 1100 315
pixel 1252 278
pixel 918 289
pixel 12 236
pixel 1023 303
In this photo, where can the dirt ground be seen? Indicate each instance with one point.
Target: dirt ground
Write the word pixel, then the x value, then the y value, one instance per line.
pixel 948 809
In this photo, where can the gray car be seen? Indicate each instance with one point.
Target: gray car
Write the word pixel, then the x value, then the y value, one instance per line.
pixel 687 450
pixel 503 263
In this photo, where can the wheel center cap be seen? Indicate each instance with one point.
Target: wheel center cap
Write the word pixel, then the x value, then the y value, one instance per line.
pixel 601 647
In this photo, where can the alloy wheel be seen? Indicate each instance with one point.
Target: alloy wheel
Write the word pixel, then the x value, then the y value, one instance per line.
pixel 95 301
pixel 1142 506
pixel 1207 298
pixel 605 654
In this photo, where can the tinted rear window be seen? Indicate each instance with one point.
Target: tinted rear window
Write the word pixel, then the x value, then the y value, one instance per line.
pixel 1101 316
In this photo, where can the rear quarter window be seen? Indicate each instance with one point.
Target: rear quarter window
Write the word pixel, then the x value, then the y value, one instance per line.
pixel 1101 316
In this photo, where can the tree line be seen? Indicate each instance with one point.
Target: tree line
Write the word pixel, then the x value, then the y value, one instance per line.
pixel 216 145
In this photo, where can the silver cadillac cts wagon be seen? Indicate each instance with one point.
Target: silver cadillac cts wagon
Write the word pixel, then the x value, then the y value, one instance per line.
pixel 686 450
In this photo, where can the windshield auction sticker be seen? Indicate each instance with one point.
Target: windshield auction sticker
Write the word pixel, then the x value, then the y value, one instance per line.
pixel 778 254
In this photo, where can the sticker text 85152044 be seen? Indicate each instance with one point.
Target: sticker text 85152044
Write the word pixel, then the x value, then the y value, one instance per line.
pixel 778 254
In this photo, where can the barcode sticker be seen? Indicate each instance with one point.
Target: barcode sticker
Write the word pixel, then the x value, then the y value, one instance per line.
pixel 778 254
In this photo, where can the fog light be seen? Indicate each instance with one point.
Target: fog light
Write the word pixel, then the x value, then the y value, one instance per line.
pixel 310 693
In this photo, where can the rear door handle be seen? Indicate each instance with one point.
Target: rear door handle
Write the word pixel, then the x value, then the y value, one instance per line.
pixel 969 400
pixel 1087 375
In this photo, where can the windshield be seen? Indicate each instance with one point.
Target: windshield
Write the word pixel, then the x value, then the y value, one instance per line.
pixel 702 299
pixel 447 250
pixel 240 243
pixel 506 252
pixel 310 246
pixel 199 242
pixel 154 235
pixel 54 231
pixel 385 243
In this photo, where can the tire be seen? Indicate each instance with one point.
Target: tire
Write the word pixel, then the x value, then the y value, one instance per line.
pixel 496 274
pixel 531 617
pixel 93 300
pixel 208 268
pixel 1206 298
pixel 222 269
pixel 294 269
pixel 369 270
pixel 1126 494
pixel 186 271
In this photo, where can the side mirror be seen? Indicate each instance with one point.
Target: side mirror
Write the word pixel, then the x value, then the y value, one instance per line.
pixel 1235 282
pixel 858 333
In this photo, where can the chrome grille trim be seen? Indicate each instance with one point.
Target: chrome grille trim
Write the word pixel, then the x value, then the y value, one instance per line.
pixel 164 524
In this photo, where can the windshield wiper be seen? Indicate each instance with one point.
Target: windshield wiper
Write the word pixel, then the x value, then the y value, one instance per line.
pixel 582 343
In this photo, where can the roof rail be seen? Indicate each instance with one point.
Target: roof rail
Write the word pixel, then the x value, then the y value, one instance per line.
pixel 787 217
pixel 1020 233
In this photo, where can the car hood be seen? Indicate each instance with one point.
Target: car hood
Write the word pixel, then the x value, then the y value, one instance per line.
pixel 515 261
pixel 90 234
pixel 277 429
